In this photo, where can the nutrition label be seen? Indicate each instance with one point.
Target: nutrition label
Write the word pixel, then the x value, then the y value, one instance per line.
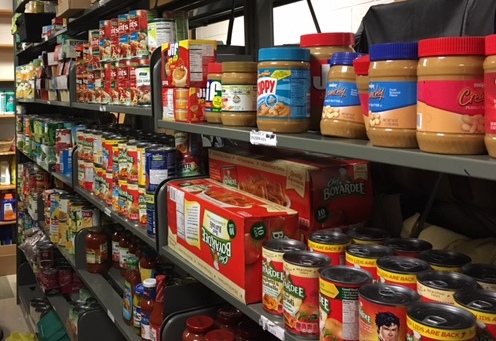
pixel 350 319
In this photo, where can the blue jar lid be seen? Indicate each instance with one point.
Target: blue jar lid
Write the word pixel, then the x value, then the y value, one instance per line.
pixel 284 53
pixel 394 51
pixel 344 58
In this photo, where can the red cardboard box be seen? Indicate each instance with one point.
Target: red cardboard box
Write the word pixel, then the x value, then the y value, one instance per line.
pixel 326 192
pixel 219 230
pixel 179 71
pixel 189 104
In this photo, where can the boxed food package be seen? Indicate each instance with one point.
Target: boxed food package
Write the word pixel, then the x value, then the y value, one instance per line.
pixel 326 191
pixel 185 62
pixel 219 230
pixel 189 104
pixel 69 8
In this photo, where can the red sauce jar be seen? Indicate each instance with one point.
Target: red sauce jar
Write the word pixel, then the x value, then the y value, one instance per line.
pixel 96 251
pixel 197 327
pixel 116 237
pixel 124 251
pixel 148 263
pixel 219 335
pixel 227 318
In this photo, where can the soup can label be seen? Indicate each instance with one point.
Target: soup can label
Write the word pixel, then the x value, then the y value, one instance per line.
pixel 89 176
pixel 142 215
pixel 133 202
pixel 150 214
pixel 429 294
pixel 335 252
pixel 422 332
pixel 377 321
pixel 367 264
pixel 109 190
pixel 122 201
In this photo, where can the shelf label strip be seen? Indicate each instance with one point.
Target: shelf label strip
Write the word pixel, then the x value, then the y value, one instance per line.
pixel 264 138
pixel 271 327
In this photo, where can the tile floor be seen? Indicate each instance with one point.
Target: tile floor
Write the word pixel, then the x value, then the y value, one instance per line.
pixel 11 317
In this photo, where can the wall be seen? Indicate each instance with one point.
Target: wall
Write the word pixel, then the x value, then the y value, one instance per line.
pixel 293 20
pixel 6 52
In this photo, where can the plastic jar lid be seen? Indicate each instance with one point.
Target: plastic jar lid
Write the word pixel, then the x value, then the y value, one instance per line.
pixel 283 53
pixel 150 283
pixel 388 51
pixel 214 68
pixel 361 65
pixel 344 58
pixel 327 39
pixel 239 67
pixel 451 46
pixel 490 45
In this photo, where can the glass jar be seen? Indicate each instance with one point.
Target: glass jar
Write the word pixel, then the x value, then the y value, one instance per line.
pixel 219 335
pixel 239 94
pixel 213 100
pixel 131 280
pixel 196 327
pixel 227 318
pixel 116 237
pixel 148 263
pixel 138 296
pixel 96 250
pixel 248 330
pixel 124 251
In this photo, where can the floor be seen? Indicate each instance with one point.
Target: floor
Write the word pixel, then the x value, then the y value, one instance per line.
pixel 11 318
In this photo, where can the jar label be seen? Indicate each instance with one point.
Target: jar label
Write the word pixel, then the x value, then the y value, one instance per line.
pixel 490 102
pixel 283 94
pixel 123 255
pixel 392 104
pixel 342 102
pixel 145 325
pixel 451 106
pixel 127 306
pixel 97 256
pixel 213 100
pixel 239 98
pixel 115 251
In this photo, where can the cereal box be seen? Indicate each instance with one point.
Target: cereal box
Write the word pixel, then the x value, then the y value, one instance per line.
pixel 185 63
pixel 327 192
pixel 219 230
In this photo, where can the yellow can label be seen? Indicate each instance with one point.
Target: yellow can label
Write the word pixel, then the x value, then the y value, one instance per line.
pixel 445 268
pixel 397 278
pixel 370 262
pixel 440 334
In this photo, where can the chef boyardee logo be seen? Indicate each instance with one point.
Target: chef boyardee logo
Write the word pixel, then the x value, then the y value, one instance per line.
pixel 342 185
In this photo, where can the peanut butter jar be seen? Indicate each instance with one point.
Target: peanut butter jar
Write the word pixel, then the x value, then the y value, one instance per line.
pixel 490 95
pixel 450 107
pixel 393 95
pixel 283 95
pixel 361 67
pixel 342 114
pixel 213 100
pixel 322 46
pixel 239 94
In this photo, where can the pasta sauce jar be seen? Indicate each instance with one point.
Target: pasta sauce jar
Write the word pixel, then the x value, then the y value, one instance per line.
pixel 322 46
pixel 450 107
pixel 393 95
pixel 490 95
pixel 342 115
pixel 283 90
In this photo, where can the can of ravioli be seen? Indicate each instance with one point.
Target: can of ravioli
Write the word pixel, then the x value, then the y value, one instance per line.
pixel 481 303
pixel 400 270
pixel 408 247
pixel 484 274
pixel 365 256
pixel 440 286
pixel 330 243
pixel 368 235
pixel 439 322
pixel 443 260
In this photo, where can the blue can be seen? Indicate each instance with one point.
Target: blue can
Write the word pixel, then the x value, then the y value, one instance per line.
pixel 64 161
pixel 161 164
pixel 150 214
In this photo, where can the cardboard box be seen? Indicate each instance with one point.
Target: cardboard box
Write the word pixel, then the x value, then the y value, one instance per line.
pixel 189 104
pixel 179 71
pixel 69 8
pixel 326 191
pixel 8 262
pixel 219 230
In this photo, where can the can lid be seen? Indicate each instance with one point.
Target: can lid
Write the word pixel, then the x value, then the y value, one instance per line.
pixel 478 299
pixel 239 67
pixel 327 39
pixel 306 258
pixel 369 250
pixel 481 272
pixel 284 53
pixel 368 234
pixel 446 280
pixel 451 46
pixel 344 58
pixel 361 65
pixel 388 294
pixel 214 68
pixel 283 245
pixel 402 265
pixel 329 237
pixel 345 275
pixel 490 44
pixel 408 244
pixel 441 316
pixel 445 258
pixel 398 51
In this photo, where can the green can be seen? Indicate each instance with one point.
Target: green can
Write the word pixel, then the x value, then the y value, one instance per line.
pixel 50 132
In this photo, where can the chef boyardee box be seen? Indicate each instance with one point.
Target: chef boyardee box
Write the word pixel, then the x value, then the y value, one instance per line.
pixel 219 230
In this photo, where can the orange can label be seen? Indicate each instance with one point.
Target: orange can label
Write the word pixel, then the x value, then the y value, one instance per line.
pixel 272 281
pixel 381 322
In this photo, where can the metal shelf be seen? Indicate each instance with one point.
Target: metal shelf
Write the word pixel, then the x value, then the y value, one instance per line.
pixel 7 187
pixel 65 178
pixel 116 277
pixel 61 308
pixel 7 153
pixel 37 48
pixel 133 110
pixel 57 103
pixel 100 204
pixel 6 223
pixel 26 293
pixel 477 166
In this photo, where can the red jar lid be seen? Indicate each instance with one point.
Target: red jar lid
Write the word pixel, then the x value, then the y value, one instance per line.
pixel 199 323
pixel 219 335
pixel 451 46
pixel 361 65
pixel 491 45
pixel 214 68
pixel 327 39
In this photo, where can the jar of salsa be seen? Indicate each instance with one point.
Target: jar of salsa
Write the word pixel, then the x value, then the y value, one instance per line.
pixel 116 237
pixel 197 327
pixel 219 335
pixel 227 318
pixel 148 263
pixel 124 250
pixel 96 250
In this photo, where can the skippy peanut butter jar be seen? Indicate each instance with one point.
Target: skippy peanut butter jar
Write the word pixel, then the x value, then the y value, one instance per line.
pixel 393 95
pixel 450 107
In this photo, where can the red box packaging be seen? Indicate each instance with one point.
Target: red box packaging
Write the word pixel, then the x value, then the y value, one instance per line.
pixel 219 230
pixel 178 71
pixel 114 37
pixel 125 47
pixel 105 40
pixel 326 191
pixel 189 104
pixel 168 104
pixel 138 32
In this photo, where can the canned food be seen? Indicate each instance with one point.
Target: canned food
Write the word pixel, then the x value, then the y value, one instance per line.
pixel 339 301
pixel 365 256
pixel 301 292
pixel 45 255
pixel 273 272
pixel 482 304
pixel 80 172
pixel 141 160
pixel 436 321
pixel 330 243
pixel 97 148
pixel 97 186
pixel 440 286
pixel 89 176
pixel 368 235
pixel 133 197
pixel 132 162
pixel 115 196
pixel 122 200
pixel 110 151
pixel 160 31
pixel 142 214
pixel 442 260
pixel 88 145
pixel 122 168
pixel 143 84
pixel 63 139
pixel 64 275
pixel 408 247
pixel 400 270
pixel 382 311
pixel 108 188
pixel 161 164
pixel 150 214
pixel 484 274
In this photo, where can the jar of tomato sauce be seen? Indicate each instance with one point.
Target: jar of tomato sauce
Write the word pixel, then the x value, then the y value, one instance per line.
pixel 96 250
pixel 197 327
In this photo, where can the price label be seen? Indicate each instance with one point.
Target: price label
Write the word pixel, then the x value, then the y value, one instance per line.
pixel 107 211
pixel 103 108
pixel 111 316
pixel 264 138
pixel 271 327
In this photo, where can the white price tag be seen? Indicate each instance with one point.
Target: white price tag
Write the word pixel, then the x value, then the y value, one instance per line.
pixel 111 316
pixel 103 108
pixel 265 138
pixel 107 211
pixel 271 327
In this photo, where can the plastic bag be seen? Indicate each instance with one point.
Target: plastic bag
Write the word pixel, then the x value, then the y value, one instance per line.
pixel 16 336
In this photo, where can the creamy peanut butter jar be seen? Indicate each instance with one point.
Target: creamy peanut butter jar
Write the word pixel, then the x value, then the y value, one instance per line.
pixel 342 114
pixel 490 95
pixel 393 95
pixel 450 107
